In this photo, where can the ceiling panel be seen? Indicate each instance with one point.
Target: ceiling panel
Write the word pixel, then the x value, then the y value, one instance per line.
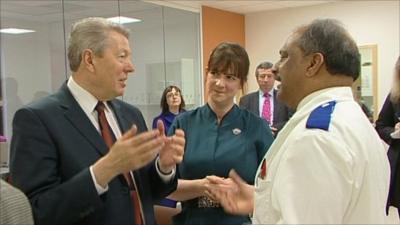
pixel 242 7
pixel 51 10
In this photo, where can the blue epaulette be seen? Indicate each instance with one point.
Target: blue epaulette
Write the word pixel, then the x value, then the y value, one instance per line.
pixel 320 117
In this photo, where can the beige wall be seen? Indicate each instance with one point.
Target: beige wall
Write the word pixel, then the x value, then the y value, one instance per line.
pixel 369 22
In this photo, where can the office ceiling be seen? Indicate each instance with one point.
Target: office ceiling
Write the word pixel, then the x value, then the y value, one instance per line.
pixel 49 10
pixel 52 10
pixel 242 7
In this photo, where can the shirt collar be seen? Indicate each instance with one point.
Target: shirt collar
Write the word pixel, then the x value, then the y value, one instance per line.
pixel 324 95
pixel 230 117
pixel 261 94
pixel 84 98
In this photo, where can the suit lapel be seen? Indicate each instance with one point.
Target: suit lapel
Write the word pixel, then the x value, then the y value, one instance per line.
pixel 256 103
pixel 123 123
pixel 77 117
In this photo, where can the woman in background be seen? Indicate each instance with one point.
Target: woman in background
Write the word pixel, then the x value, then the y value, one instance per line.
pixel 219 137
pixel 172 104
pixel 387 123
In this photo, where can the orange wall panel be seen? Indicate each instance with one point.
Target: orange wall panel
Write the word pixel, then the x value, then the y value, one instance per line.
pixel 218 26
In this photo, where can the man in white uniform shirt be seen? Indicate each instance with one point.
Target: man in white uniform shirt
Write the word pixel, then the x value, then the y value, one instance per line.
pixel 327 165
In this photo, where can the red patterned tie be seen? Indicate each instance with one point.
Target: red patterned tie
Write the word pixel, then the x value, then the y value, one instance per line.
pixel 108 137
pixel 266 112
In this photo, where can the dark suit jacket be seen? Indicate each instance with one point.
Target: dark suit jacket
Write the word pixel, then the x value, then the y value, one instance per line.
pixel 388 117
pixel 52 147
pixel 281 112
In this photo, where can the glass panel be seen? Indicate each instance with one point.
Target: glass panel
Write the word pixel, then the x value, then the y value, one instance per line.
pixel 34 64
pixel 148 49
pixel 29 62
pixel 183 54
pixel 165 52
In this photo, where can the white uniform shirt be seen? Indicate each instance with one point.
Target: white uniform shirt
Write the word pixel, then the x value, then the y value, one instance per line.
pixel 314 176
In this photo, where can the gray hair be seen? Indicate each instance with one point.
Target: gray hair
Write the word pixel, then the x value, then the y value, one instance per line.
pixel 331 39
pixel 264 65
pixel 90 33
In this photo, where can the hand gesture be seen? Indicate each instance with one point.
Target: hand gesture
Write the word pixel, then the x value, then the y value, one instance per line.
pixel 397 126
pixel 274 130
pixel 172 153
pixel 234 194
pixel 132 151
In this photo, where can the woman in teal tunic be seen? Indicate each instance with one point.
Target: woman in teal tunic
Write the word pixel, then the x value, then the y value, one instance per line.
pixel 219 137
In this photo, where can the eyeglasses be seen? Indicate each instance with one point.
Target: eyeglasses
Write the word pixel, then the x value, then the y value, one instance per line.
pixel 171 95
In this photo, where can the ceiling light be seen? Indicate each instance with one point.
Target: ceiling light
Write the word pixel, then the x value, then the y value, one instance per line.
pixel 123 19
pixel 15 31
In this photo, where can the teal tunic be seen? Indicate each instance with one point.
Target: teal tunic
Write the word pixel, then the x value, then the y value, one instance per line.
pixel 239 142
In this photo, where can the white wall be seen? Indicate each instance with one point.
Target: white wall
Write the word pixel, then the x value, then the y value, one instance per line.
pixel 369 22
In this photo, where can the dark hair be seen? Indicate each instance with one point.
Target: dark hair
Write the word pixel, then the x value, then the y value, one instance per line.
pixel 164 104
pixel 230 56
pixel 264 65
pixel 330 38
pixel 395 91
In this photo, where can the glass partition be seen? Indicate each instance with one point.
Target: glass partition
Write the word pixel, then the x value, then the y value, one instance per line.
pixel 165 45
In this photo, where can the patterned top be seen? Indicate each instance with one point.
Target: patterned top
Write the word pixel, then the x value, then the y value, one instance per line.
pixel 14 206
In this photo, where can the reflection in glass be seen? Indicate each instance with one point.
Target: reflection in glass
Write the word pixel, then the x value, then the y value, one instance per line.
pixel 165 45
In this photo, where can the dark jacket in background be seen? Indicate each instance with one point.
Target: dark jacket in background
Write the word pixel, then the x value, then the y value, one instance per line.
pixel 281 112
pixel 388 117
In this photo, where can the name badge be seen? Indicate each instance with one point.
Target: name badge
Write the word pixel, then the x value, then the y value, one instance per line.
pixel 236 131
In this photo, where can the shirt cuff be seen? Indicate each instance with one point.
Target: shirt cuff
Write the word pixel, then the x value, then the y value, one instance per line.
pixel 99 188
pixel 165 177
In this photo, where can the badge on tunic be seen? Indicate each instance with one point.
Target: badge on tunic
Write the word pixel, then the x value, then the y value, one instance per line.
pixel 236 131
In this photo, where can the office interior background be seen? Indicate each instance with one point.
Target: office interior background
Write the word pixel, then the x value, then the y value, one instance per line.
pixel 172 41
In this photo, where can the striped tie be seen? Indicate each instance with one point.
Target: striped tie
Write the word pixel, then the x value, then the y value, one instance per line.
pixel 109 139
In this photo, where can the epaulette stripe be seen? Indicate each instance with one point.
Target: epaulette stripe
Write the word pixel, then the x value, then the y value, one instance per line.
pixel 320 118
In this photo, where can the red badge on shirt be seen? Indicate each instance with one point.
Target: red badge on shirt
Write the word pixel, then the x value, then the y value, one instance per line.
pixel 263 172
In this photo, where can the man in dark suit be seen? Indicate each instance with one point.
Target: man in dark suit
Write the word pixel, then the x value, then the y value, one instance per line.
pixel 278 113
pixel 62 153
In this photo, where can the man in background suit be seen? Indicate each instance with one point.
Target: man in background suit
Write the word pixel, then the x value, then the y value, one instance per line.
pixel 62 152
pixel 255 102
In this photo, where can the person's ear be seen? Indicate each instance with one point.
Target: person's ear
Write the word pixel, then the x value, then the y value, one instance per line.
pixel 315 64
pixel 88 59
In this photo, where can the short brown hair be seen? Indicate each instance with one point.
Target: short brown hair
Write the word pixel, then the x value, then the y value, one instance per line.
pixel 230 56
pixel 264 65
